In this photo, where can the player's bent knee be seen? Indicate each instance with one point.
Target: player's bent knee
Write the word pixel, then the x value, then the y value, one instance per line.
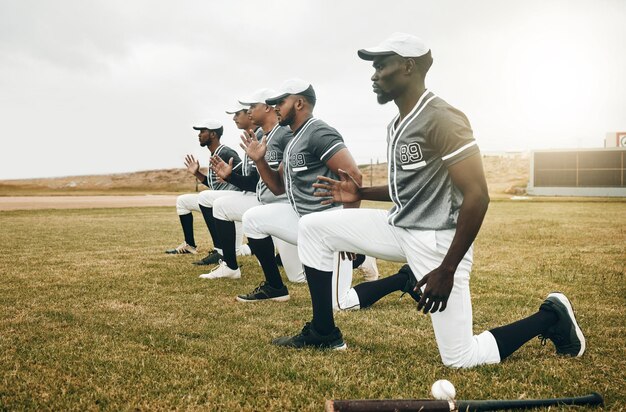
pixel 249 225
pixel 309 226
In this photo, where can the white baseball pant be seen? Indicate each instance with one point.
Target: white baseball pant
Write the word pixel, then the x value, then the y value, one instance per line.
pixel 232 208
pixel 366 231
pixel 191 202
pixel 281 221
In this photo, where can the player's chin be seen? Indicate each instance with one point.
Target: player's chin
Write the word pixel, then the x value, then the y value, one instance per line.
pixel 383 98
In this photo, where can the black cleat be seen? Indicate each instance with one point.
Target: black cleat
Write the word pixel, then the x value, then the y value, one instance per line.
pixel 566 335
pixel 265 292
pixel 309 338
pixel 410 284
pixel 212 258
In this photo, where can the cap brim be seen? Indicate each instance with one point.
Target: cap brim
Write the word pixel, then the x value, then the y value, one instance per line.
pixel 236 111
pixel 199 128
pixel 275 99
pixel 372 53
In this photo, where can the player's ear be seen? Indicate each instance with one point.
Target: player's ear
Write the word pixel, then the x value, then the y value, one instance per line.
pixel 299 103
pixel 409 65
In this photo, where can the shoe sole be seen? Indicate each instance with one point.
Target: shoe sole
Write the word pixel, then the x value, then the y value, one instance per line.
pixel 277 299
pixel 343 346
pixel 570 311
pixel 220 277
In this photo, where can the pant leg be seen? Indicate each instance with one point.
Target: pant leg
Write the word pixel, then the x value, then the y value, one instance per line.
pixel 291 261
pixel 207 198
pixel 364 231
pixel 187 203
pixel 232 208
pixel 322 235
pixel 275 219
pixel 344 297
pixel 458 346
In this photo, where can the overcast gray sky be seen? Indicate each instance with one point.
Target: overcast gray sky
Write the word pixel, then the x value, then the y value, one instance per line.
pixel 90 87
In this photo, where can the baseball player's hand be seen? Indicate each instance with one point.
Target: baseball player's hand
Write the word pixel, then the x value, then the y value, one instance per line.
pixel 254 148
pixel 192 165
pixel 222 169
pixel 439 284
pixel 346 190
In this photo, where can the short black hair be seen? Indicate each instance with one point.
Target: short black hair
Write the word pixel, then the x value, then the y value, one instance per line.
pixel 424 62
pixel 311 99
pixel 219 131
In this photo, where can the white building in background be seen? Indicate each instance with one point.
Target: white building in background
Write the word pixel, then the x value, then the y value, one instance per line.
pixel 580 172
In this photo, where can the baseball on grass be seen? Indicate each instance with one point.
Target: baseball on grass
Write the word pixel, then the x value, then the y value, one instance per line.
pixel 443 390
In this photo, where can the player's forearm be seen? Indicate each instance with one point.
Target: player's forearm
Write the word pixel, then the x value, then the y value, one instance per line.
pixel 271 177
pixel 471 215
pixel 202 178
pixel 378 193
pixel 247 183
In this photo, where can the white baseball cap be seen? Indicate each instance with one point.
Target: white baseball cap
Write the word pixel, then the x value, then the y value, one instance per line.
pixel 237 107
pixel 405 45
pixel 258 96
pixel 210 124
pixel 292 86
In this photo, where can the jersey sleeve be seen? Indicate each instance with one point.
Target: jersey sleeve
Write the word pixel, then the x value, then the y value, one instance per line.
pixel 452 136
pixel 328 143
pixel 228 154
pixel 247 183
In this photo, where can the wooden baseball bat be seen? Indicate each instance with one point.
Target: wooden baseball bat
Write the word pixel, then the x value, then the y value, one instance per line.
pixel 429 405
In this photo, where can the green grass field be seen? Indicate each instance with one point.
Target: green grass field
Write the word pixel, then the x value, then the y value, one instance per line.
pixel 93 315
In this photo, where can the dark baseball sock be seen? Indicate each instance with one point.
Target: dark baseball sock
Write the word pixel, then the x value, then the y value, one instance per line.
pixel 227 235
pixel 321 290
pixel 358 261
pixel 207 213
pixel 371 292
pixel 186 221
pixel 514 335
pixel 263 249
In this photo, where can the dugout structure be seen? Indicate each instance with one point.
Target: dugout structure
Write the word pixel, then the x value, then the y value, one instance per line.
pixel 578 172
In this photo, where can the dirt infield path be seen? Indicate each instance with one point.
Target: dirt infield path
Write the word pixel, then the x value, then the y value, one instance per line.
pixel 83 202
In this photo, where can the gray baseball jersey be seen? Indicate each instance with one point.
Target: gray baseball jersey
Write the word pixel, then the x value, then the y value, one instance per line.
pixel 433 136
pixel 226 153
pixel 304 159
pixel 277 140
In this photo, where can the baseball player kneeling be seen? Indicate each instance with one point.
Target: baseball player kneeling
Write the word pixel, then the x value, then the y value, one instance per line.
pixel 439 194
